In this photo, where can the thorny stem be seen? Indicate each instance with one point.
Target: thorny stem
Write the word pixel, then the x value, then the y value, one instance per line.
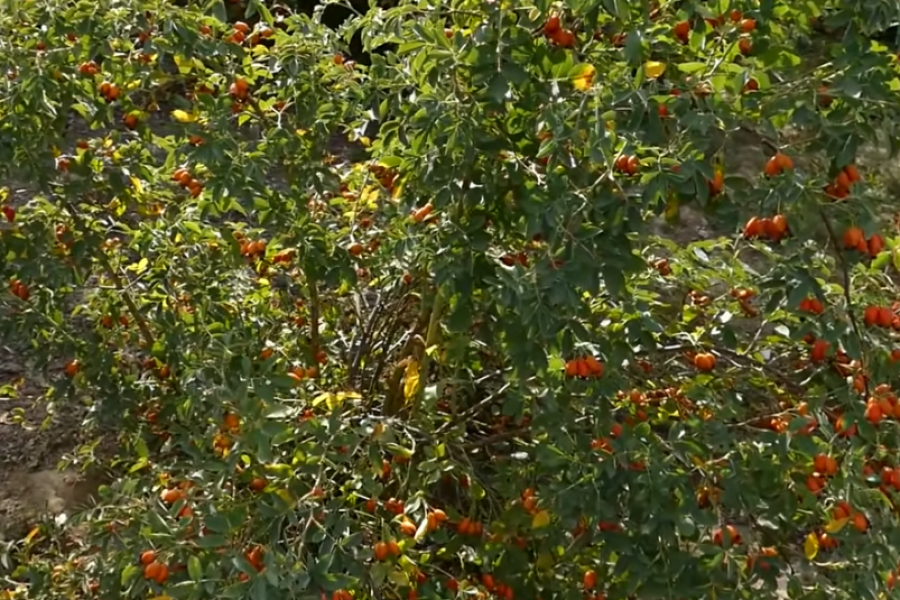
pixel 311 519
pixel 117 282
pixel 845 269
pixel 313 313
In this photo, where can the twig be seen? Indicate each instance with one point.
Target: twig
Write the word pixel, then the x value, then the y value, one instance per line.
pixel 313 313
pixel 493 439
pixel 474 410
pixel 846 277
pixel 117 281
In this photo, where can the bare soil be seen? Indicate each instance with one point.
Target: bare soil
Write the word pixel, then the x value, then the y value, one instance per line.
pixel 32 443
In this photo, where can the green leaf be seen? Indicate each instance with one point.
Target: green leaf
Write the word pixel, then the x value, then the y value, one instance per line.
pixel 691 67
pixel 217 7
pixel 195 571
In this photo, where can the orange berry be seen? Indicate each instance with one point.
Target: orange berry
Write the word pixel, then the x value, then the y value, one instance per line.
pixel 815 484
pixel 170 496
pixel 873 413
pixel 682 31
pixel 704 361
pixel 408 528
pixel 733 535
pixel 152 570
pixel 422 213
pixel 72 367
pixel 753 228
pixel 381 551
pixel 552 26
pixel 870 316
pixel 852 237
pixel 875 245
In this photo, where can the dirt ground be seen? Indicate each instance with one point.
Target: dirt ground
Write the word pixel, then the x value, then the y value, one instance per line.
pixel 31 485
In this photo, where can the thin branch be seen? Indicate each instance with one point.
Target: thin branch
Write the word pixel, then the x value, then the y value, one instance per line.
pixel 493 439
pixel 845 268
pixel 117 281
pixel 313 313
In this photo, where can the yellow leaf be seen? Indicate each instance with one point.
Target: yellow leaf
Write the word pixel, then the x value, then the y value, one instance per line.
pixel 183 116
pixel 541 519
pixel 138 186
pixel 365 141
pixel 672 210
pixel 140 267
pixel 811 546
pixel 398 189
pixel 286 496
pixel 369 194
pixel 411 379
pixel 836 525
pixel 338 399
pixel 323 397
pixel 32 534
pixel 583 77
pixel 654 69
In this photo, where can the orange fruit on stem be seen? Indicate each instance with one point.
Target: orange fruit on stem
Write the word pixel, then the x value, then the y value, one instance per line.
pixel 875 245
pixel 733 535
pixel 381 551
pixel 682 31
pixel 552 26
pixel 704 361
pixel 853 237
pixel 170 496
pixel 72 367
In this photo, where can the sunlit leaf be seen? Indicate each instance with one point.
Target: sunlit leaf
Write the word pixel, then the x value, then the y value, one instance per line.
pixel 583 77
pixel 411 380
pixel 540 520
pixel 183 116
pixel 836 525
pixel 654 69
pixel 811 546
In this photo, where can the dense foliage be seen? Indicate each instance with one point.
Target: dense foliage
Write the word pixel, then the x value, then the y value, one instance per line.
pixel 456 357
